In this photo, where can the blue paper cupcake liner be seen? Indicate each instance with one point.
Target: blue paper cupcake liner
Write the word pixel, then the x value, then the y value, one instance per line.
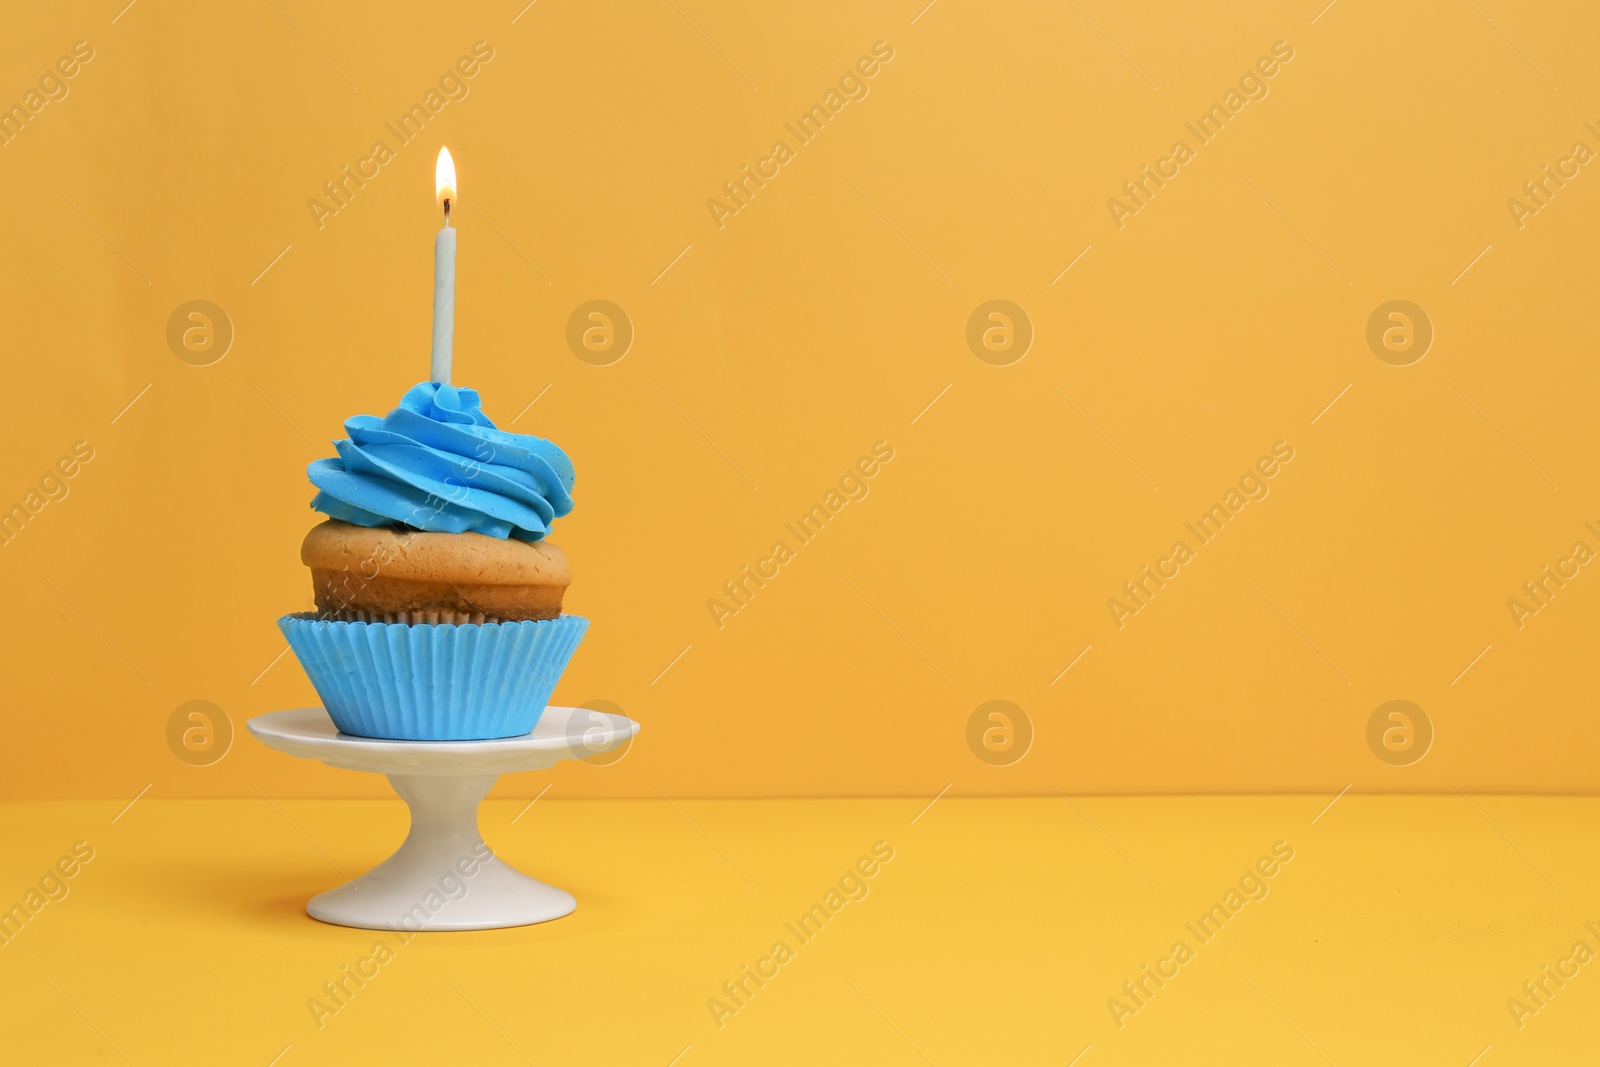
pixel 409 682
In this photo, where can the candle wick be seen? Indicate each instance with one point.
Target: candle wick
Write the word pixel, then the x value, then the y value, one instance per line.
pixel 447 209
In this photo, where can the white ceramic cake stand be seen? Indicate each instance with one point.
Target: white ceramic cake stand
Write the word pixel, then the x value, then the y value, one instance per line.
pixel 444 876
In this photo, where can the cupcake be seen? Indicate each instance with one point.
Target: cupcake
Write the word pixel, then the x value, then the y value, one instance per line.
pixel 438 599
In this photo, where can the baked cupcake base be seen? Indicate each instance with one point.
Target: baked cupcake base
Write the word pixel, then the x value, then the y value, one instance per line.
pixel 394 575
pixel 431 617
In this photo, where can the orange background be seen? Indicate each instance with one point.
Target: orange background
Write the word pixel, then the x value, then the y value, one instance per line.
pixel 772 352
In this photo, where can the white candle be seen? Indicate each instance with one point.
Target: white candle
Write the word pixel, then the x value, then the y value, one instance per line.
pixel 444 273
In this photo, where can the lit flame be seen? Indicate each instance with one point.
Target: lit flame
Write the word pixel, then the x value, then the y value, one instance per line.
pixel 444 176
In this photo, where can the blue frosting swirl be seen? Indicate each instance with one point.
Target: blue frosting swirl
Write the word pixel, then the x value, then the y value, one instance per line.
pixel 437 463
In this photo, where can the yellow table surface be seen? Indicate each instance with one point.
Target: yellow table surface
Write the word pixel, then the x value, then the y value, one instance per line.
pixel 997 934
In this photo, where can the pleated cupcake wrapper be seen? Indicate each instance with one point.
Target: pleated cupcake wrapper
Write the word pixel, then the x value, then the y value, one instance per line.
pixel 434 682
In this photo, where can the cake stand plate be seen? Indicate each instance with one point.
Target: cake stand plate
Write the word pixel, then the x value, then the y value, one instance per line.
pixel 444 877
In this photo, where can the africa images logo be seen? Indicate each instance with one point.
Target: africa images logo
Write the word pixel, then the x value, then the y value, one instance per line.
pixel 852 87
pixel 1252 486
pixel 1252 85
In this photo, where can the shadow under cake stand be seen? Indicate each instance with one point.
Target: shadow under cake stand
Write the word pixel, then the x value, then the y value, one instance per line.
pixel 442 783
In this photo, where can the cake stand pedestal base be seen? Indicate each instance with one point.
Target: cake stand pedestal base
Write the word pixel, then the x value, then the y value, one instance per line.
pixel 444 876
